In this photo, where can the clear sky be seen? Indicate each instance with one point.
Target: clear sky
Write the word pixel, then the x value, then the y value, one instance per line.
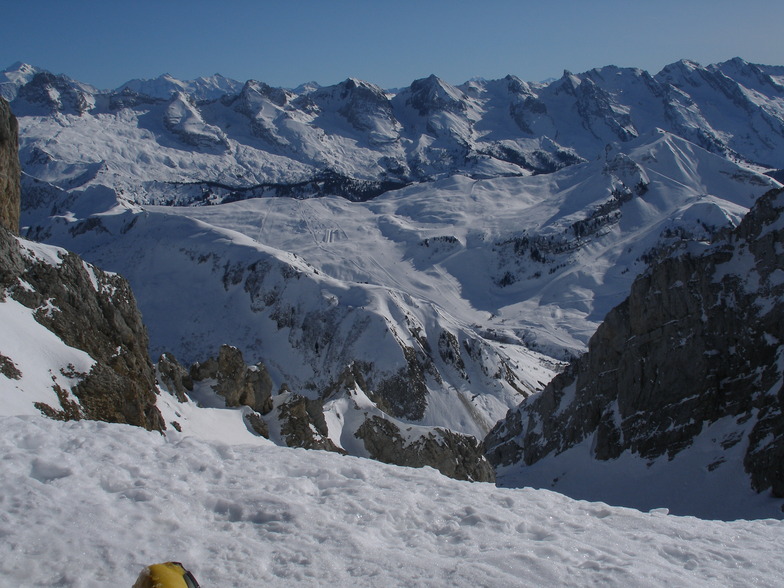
pixel 390 43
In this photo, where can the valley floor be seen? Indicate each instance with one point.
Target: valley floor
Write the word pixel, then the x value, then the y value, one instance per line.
pixel 90 504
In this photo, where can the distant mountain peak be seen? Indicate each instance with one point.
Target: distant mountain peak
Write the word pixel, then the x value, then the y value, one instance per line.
pixel 22 67
pixel 14 77
pixel 356 83
pixel 203 88
pixel 433 93
pixel 307 87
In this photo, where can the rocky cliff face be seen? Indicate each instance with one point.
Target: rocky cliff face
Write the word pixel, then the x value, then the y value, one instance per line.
pixel 700 338
pixel 92 311
pixel 454 455
pixel 9 169
pixel 239 384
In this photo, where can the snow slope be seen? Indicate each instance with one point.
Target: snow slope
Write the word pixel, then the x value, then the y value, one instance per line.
pixel 199 286
pixel 38 359
pixel 468 245
pixel 90 504
pixel 707 480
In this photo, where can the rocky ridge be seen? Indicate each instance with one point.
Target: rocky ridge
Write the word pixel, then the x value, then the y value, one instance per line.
pixel 10 188
pixel 699 339
pixel 296 420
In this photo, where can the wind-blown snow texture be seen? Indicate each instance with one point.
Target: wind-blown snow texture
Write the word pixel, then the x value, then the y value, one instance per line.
pixel 114 499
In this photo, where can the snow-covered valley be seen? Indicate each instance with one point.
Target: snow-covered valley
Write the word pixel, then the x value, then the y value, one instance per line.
pixel 492 282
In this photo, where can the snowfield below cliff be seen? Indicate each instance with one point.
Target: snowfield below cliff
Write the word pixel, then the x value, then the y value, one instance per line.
pixel 90 504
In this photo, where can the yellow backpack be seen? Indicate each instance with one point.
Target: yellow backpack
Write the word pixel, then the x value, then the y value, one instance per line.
pixel 166 575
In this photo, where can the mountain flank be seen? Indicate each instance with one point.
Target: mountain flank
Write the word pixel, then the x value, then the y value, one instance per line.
pixel 699 340
pixel 399 269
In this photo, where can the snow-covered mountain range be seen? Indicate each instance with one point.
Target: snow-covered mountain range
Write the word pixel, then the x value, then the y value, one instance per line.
pixel 424 259
pixel 215 139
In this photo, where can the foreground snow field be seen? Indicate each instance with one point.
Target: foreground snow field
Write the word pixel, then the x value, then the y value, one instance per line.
pixel 89 504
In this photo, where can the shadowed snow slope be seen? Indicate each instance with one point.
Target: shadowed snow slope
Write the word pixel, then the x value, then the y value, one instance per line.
pixel 114 499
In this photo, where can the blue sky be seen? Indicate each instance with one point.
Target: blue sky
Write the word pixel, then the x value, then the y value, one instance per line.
pixel 391 43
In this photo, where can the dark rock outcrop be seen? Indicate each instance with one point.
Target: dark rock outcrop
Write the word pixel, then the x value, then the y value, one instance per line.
pixel 454 455
pixel 175 378
pixel 96 312
pixel 302 424
pixel 9 169
pixel 700 338
pixel 300 421
pixel 238 383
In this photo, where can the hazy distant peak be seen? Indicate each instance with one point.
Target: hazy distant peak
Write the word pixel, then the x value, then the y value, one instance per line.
pixel 307 87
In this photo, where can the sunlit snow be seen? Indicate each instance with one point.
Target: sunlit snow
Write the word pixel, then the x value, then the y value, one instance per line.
pixel 88 504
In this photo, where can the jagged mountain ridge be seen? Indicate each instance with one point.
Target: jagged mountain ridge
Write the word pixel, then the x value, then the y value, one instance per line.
pixel 355 139
pixel 15 76
pixel 162 87
pixel 687 371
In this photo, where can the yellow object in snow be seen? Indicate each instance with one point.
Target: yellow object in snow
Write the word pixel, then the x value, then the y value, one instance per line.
pixel 166 575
